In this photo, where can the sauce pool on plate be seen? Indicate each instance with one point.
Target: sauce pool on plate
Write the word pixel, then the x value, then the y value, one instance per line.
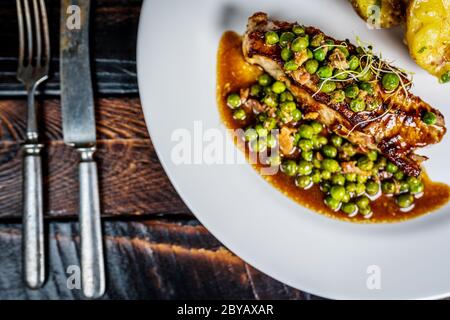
pixel 233 74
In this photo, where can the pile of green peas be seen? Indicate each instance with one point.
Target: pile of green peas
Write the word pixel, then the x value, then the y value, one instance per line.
pixel 331 80
pixel 321 155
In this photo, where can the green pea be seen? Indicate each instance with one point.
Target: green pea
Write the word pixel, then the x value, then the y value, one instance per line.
pixel 286 38
pixel 399 175
pixel 278 87
pixel 316 176
pixel 337 192
pixel 365 75
pixel 353 63
pixel 372 188
pixel 288 106
pixel 357 105
pixel 348 149
pixel 340 74
pixel 267 90
pixel 429 118
pixel 306 131
pixel 382 162
pixel 391 168
pixel 330 165
pixel 286 96
pixel 326 175
pixel 364 163
pixel 271 141
pixel 329 151
pixel 338 96
pixel 390 81
pixel 317 40
pixel 307 155
pixel 290 65
pixel 338 179
pixel 316 163
pixel 255 90
pixel 350 177
pixel 404 186
pixel 304 168
pixel 264 80
pixel 289 167
pixel 261 117
pixel 325 72
pixel 388 187
pixel 271 100
pixel 362 202
pixel 274 160
pixel 261 131
pixel 296 115
pixel 316 126
pixel 311 66
pixel 319 141
pixel 350 187
pixel 365 211
pixel 372 155
pixel 336 140
pixel 352 91
pixel 303 182
pixel 332 203
pixel 412 181
pixel 298 30
pixel 366 86
pixel 417 188
pixel 299 44
pixel 328 86
pixel 373 105
pixel 239 114
pixel 445 77
pixel 320 54
pixel 360 188
pixel 349 208
pixel 361 178
pixel 305 144
pixel 309 53
pixel 258 145
pixel 233 100
pixel 286 54
pixel 272 37
pixel 347 197
pixel 405 200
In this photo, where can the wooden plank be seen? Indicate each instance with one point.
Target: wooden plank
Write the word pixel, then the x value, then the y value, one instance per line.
pixel 145 260
pixel 132 181
pixel 114 34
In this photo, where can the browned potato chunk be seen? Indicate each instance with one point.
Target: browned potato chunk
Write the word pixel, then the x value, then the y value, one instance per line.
pixel 428 35
pixel 381 13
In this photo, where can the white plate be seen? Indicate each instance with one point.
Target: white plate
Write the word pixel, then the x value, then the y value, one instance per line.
pixel 177 77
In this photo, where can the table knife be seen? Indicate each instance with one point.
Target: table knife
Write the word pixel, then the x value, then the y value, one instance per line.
pixel 79 132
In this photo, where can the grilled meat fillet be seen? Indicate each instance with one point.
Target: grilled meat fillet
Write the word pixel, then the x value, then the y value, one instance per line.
pixel 394 126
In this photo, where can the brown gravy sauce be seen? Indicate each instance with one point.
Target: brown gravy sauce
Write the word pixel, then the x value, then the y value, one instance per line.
pixel 233 73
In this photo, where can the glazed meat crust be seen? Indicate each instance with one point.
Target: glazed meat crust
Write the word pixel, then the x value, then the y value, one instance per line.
pixel 395 128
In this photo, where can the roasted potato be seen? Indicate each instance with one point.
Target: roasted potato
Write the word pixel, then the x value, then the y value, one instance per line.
pixel 428 35
pixel 381 13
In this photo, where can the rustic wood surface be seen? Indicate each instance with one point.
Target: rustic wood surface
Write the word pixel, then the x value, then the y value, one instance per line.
pixel 155 248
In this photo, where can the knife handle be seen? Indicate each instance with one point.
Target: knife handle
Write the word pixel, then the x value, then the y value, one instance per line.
pixel 33 224
pixel 92 261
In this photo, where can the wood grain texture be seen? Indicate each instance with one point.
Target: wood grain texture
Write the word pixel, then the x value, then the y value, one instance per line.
pixel 145 260
pixel 132 181
pixel 113 47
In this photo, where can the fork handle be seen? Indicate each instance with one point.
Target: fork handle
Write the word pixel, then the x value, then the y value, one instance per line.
pixel 33 225
pixel 92 263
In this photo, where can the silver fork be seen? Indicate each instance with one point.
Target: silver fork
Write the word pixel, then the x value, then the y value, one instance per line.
pixel 34 59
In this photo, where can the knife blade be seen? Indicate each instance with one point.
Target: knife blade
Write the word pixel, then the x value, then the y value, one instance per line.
pixel 79 131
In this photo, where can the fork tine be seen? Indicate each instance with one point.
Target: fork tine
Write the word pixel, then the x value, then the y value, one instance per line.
pixel 29 31
pixel 46 32
pixel 21 31
pixel 37 23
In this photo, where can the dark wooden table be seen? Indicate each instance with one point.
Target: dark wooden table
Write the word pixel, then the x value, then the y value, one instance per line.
pixel 155 248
